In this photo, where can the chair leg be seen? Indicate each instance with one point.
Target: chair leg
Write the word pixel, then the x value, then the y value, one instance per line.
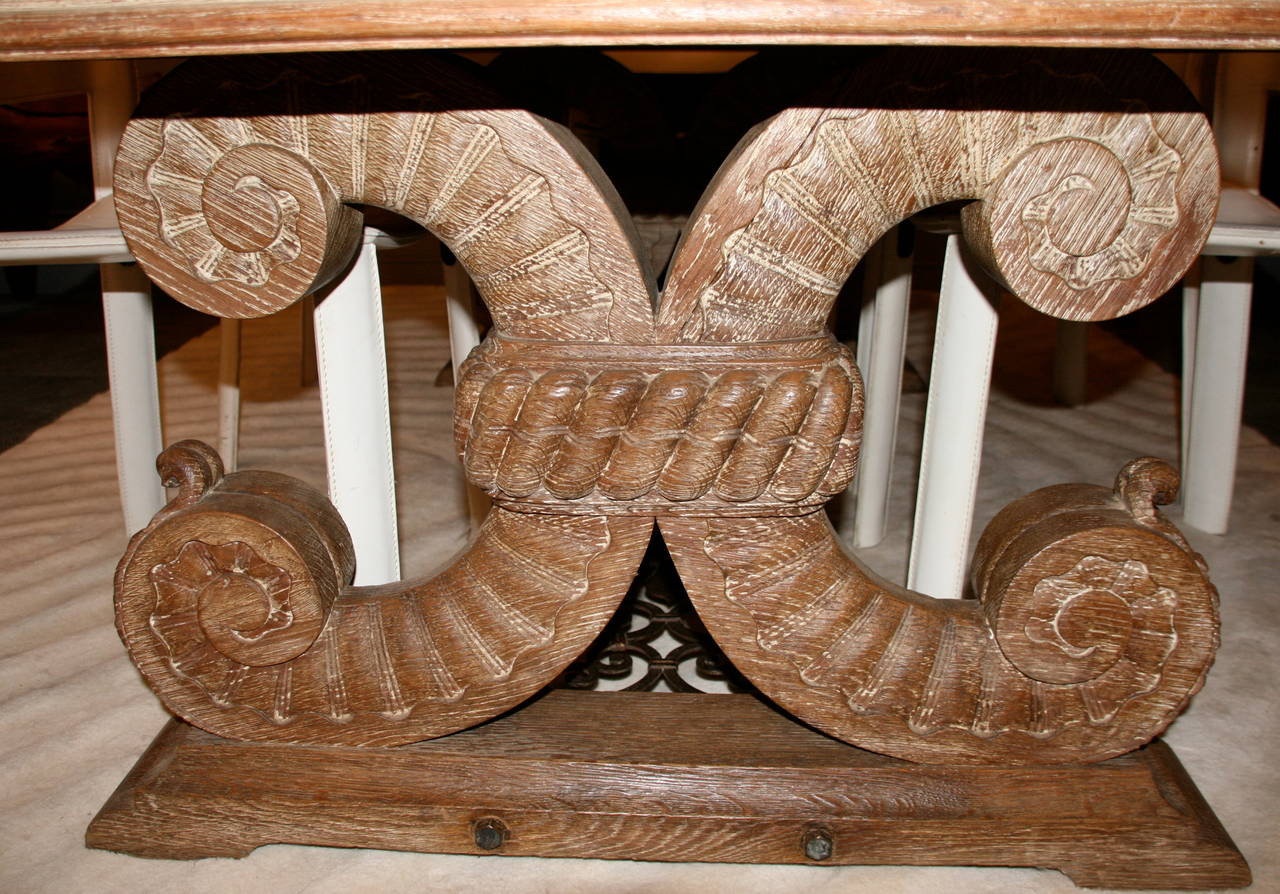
pixel 847 511
pixel 352 360
pixel 127 314
pixel 111 98
pixel 885 335
pixel 959 383
pixel 1190 318
pixel 1217 392
pixel 871 280
pixel 464 335
pixel 229 394
pixel 1070 362
pixel 135 395
pixel 307 351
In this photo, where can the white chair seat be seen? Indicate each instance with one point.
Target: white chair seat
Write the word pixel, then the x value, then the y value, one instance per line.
pixel 1247 225
pixel 91 237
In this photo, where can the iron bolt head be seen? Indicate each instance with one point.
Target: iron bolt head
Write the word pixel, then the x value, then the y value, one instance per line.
pixel 490 833
pixel 818 844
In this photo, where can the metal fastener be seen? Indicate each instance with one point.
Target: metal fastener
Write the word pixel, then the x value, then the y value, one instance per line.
pixel 818 844
pixel 490 833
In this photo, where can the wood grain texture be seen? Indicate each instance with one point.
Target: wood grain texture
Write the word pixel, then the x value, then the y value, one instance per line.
pixel 237 607
pixel 746 429
pixel 1091 631
pixel 109 28
pixel 728 413
pixel 636 776
pixel 1095 178
pixel 232 178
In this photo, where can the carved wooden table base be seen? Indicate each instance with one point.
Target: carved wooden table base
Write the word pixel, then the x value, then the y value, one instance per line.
pixel 721 409
pixel 670 776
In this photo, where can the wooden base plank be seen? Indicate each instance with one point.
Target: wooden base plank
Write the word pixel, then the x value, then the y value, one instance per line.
pixel 671 777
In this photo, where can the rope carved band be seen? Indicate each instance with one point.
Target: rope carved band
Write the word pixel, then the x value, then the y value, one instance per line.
pixel 770 428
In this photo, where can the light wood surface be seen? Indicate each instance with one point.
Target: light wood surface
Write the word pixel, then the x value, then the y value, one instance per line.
pixel 111 28
pixel 653 776
pixel 722 409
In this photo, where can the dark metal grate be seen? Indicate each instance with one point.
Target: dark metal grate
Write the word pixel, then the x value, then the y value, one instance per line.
pixel 633 647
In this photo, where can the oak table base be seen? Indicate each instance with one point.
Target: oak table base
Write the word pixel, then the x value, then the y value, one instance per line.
pixel 671 777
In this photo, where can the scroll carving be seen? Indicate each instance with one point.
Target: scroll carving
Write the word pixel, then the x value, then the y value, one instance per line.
pixel 725 410
pixel 243 211
pixel 799 202
pixel 237 607
pixel 1074 646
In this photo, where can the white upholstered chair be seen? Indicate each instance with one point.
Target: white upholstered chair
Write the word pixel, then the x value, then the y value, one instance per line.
pixel 357 421
pixel 93 237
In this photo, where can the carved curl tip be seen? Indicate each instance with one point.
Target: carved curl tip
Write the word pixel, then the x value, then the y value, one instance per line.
pixel 1141 486
pixel 1145 483
pixel 192 467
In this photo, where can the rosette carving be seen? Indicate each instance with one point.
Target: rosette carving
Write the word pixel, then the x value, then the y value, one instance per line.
pixel 240 212
pixel 236 598
pixel 236 605
pixel 1109 618
pixel 1086 207
pixel 236 177
pixel 801 200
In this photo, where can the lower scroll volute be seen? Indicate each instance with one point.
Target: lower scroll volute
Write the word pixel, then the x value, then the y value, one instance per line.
pixel 236 606
pixel 1093 628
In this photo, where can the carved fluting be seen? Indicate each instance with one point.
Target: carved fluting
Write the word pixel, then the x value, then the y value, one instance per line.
pixel 233 186
pixel 1090 634
pixel 239 211
pixel 666 430
pixel 238 611
pixel 1086 211
pixel 1096 622
pixel 731 418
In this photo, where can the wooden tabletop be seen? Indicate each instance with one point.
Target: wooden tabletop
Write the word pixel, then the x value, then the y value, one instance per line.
pixel 87 29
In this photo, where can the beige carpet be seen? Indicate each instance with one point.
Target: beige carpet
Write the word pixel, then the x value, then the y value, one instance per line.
pixel 76 715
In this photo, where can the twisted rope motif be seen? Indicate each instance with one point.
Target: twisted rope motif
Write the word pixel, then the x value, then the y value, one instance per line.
pixel 671 433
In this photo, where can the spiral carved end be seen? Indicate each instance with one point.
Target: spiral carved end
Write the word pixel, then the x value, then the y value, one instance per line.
pixel 192 467
pixel 1146 483
pixel 238 572
pixel 1100 602
pixel 1104 217
pixel 226 224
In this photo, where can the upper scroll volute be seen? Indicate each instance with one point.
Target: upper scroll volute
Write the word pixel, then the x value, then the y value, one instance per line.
pixel 1090 202
pixel 235 178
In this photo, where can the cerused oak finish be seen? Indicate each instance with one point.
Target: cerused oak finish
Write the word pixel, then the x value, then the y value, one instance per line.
pixel 86 29
pixel 619 775
pixel 722 409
